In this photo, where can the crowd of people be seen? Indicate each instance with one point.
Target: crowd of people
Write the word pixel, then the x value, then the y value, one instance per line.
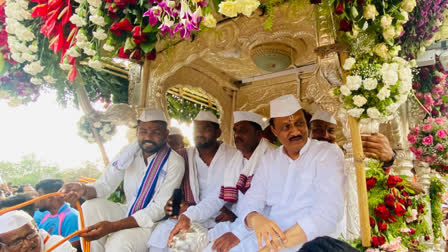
pixel 251 197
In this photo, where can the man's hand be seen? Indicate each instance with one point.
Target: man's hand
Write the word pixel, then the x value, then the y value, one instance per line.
pixel 226 242
pixel 266 229
pixel 225 215
pixel 377 146
pixel 182 225
pixel 98 230
pixel 169 209
pixel 73 191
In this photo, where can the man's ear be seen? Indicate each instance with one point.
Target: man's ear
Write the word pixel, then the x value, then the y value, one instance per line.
pixel 218 132
pixel 274 131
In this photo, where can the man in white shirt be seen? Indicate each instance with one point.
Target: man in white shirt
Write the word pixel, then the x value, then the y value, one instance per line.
pixel 19 233
pixel 297 193
pixel 207 164
pixel 247 131
pixel 150 171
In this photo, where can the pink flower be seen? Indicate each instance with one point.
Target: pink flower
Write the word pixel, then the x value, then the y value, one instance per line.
pixel 440 121
pixel 440 147
pixel 412 139
pixel 429 120
pixel 438 89
pixel 413 217
pixel 419 151
pixel 417 130
pixel 441 133
pixel 427 127
pixel 429 159
pixel 413 150
pixel 392 246
pixel 428 140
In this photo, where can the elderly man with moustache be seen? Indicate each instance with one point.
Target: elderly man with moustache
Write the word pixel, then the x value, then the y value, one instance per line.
pixel 150 171
pixel 19 233
pixel 297 193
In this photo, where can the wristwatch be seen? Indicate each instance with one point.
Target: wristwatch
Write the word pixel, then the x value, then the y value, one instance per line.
pixel 391 162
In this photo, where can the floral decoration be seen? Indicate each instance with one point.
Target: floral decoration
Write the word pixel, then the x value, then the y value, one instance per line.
pixel 396 212
pixel 17 89
pixel 431 89
pixel 105 130
pixel 436 189
pixel 375 88
pixel 429 143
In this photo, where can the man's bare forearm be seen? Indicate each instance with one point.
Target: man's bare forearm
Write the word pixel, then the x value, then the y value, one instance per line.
pixel 126 223
pixel 294 236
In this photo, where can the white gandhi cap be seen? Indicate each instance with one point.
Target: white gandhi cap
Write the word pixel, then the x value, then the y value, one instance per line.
pixel 13 220
pixel 150 115
pixel 206 116
pixel 239 116
pixel 323 116
pixel 175 131
pixel 285 105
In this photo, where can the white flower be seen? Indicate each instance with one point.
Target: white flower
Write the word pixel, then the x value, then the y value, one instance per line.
pixel 370 84
pixel 348 64
pixel 405 87
pixel 386 21
pixel 50 80
pixel 228 8
pixel 100 34
pixel 98 20
pixel 373 113
pixel 33 48
pixel 405 16
pixel 359 100
pixel 65 66
pixel 393 52
pixel 390 77
pixel 381 50
pixel 408 5
pixel 36 81
pixel 73 52
pixel 392 107
pixel 405 74
pixel 108 48
pixel 383 93
pixel 356 112
pixel 17 57
pixel 26 14
pixel 25 35
pixel 89 51
pixel 81 37
pixel 398 30
pixel 402 99
pixel 247 7
pixel 370 12
pixel 13 10
pixel 353 82
pixel 95 3
pixel 95 64
pixel 209 21
pixel 389 33
pixel 33 68
pixel 29 57
pixel 77 20
pixel 405 230
pixel 93 10
pixel 97 125
pixel 345 90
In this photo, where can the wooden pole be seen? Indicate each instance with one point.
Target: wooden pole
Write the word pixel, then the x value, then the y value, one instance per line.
pixel 145 83
pixel 358 157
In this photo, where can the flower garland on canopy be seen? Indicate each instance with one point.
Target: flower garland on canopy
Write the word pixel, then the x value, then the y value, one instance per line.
pixel 397 214
pixel 436 189
pixel 105 130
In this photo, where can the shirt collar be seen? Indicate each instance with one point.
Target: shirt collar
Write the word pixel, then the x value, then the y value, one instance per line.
pixel 63 207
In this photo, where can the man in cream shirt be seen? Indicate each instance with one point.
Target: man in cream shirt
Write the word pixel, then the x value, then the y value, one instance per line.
pixel 150 171
pixel 297 193
pixel 207 164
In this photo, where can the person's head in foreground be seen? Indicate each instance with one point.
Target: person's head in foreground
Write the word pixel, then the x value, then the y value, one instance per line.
pixel 206 130
pixel 18 232
pixel 327 244
pixel 289 124
pixel 247 131
pixel 175 139
pixel 323 127
pixel 18 199
pixel 152 131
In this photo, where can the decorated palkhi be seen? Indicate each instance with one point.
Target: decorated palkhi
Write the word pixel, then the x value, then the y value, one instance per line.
pixel 193 240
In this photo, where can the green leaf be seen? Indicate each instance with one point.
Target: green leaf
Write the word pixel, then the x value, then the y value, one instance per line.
pixel 216 4
pixel 147 46
pixel 445 98
pixel 149 28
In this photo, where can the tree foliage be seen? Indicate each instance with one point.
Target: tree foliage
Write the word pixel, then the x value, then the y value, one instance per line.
pixel 184 110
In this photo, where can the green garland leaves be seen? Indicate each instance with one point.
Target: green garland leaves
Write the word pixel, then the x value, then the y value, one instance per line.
pixel 436 190
pixel 184 110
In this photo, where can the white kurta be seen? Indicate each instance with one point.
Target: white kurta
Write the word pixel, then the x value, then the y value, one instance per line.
pixel 96 210
pixel 53 239
pixel 210 179
pixel 308 191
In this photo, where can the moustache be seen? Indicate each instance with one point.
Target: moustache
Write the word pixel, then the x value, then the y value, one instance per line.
pixel 295 138
pixel 238 140
pixel 323 139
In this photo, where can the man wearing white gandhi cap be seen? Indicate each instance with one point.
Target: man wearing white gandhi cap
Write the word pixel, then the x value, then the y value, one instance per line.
pixel 207 164
pixel 297 193
pixel 150 171
pixel 175 139
pixel 247 132
pixel 19 233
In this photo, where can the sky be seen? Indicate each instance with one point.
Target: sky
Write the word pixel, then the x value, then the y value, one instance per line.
pixel 50 132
